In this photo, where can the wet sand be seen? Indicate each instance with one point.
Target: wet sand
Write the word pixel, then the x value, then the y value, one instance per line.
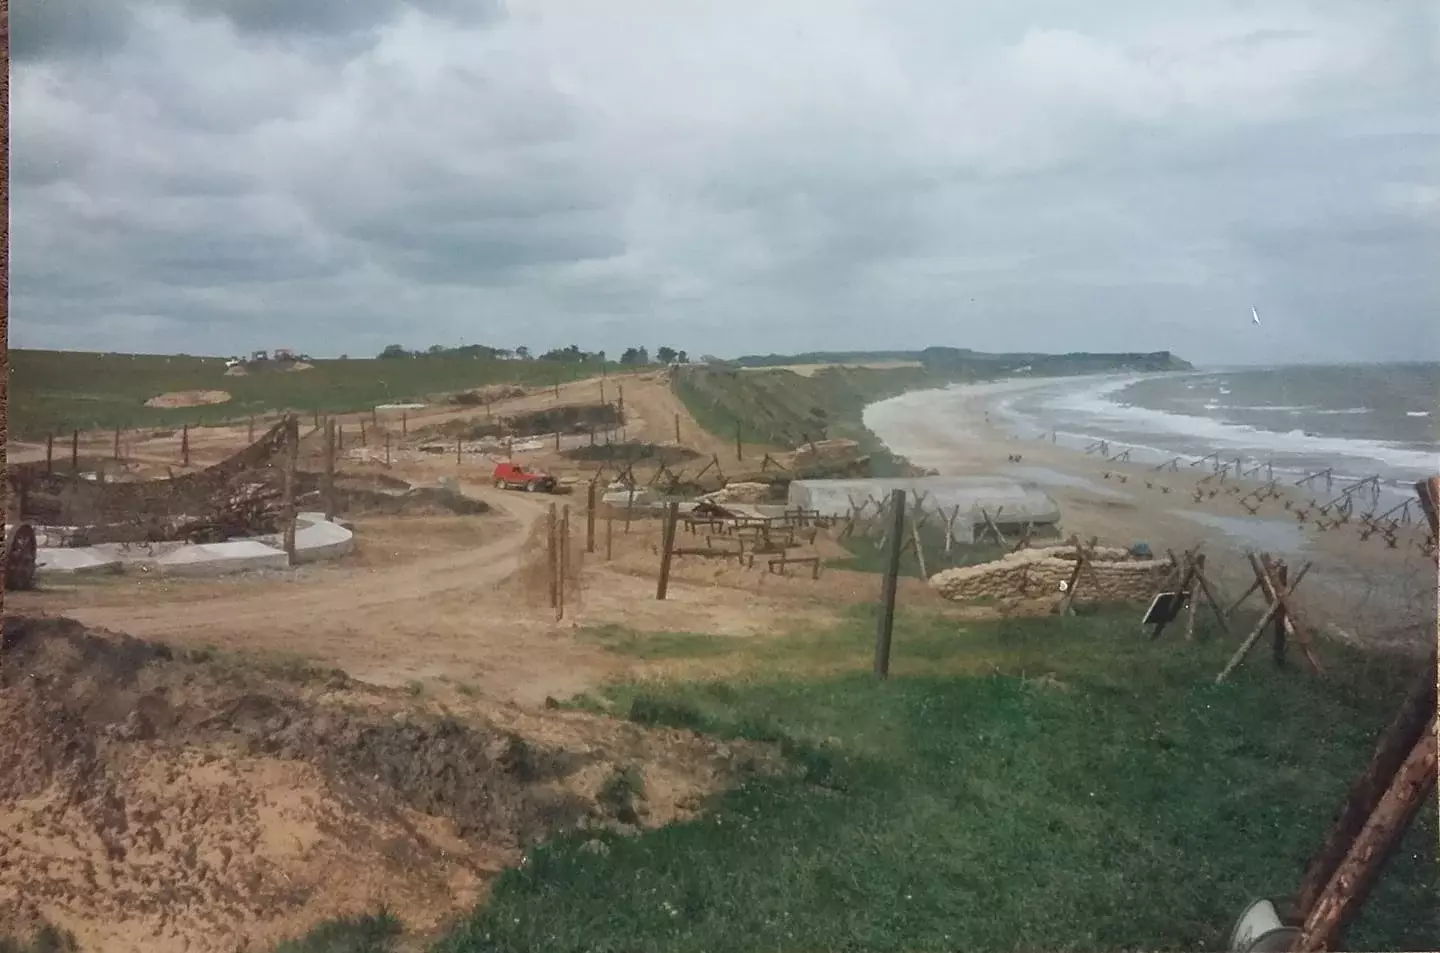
pixel 1359 590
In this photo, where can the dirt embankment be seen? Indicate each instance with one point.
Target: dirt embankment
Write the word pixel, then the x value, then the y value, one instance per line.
pixel 155 800
pixel 189 398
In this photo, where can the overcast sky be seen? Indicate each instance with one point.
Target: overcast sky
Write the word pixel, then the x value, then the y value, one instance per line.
pixel 213 176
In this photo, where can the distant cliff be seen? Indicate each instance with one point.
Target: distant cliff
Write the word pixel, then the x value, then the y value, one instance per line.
pixel 965 362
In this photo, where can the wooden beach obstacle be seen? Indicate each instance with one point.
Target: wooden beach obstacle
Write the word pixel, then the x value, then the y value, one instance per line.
pixel 1186 579
pixel 1272 579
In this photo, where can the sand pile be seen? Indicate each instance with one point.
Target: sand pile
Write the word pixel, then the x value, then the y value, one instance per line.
pixel 153 801
pixel 189 398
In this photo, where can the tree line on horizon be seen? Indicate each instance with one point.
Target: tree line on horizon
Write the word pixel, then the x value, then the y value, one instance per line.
pixel 570 354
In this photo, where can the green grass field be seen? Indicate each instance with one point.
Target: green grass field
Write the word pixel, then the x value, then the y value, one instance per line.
pixel 58 391
pixel 1041 784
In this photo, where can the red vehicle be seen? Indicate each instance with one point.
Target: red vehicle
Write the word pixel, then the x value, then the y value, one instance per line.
pixel 513 476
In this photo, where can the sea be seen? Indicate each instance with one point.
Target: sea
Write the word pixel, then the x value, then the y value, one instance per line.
pixel 1370 420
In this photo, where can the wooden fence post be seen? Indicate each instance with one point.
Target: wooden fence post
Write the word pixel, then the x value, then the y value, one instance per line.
pixel 457 450
pixel 364 441
pixel 739 447
pixel 49 453
pixel 330 468
pixel 677 428
pixel 590 518
pixel 609 534
pixel 886 623
pixel 75 451
pixel 552 528
pixel 404 423
pixel 292 455
pixel 387 448
pixel 185 445
pixel 562 557
pixel 250 436
pixel 117 443
pixel 667 547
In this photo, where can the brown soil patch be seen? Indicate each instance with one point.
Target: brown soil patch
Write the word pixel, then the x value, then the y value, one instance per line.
pixel 189 398
pixel 159 800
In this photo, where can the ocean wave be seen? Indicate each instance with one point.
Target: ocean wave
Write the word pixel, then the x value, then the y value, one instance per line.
pixel 1097 402
pixel 1417 413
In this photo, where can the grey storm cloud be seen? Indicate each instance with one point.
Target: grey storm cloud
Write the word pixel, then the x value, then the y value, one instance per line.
pixel 337 175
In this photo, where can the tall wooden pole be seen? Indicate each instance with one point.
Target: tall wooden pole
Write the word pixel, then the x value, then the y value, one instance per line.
pixel 739 447
pixel 885 625
pixel 330 468
pixel 563 557
pixel 667 548
pixel 677 428
pixel 387 448
pixel 250 437
pixel 590 518
pixel 552 528
pixel 117 444
pixel 292 455
pixel 185 444
pixel 404 423
pixel 49 453
pixel 457 450
pixel 75 451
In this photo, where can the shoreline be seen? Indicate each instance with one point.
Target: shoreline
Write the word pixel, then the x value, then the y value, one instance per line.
pixel 1360 590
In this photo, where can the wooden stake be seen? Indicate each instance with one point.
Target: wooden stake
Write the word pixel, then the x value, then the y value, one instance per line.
pixel 117 444
pixel 739 447
pixel 919 549
pixel 552 529
pixel 404 423
pixel 250 433
pixel 1415 718
pixel 387 448
pixel 1358 873
pixel 609 534
pixel 590 518
pixel 557 441
pixel 49 453
pixel 677 428
pixel 339 437
pixel 364 441
pixel 667 548
pixel 292 455
pixel 457 450
pixel 885 624
pixel 562 555
pixel 75 450
pixel 1259 629
pixel 330 469
pixel 1277 650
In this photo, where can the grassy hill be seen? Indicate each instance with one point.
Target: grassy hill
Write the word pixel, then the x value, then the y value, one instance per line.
pixel 57 391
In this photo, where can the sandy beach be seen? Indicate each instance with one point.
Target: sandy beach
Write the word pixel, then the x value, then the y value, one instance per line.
pixel 1360 590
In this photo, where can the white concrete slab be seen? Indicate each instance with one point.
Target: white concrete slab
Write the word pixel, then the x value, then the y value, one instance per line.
pixel 73 562
pixel 214 559
pixel 316 539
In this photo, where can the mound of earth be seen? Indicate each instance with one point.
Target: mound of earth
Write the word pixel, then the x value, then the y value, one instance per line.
pixel 160 801
pixel 189 398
